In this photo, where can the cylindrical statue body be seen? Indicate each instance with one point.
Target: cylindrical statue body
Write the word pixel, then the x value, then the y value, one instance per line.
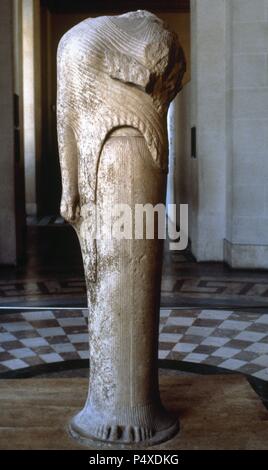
pixel 116 77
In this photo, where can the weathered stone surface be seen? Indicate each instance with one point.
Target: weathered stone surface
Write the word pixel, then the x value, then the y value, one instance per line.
pixel 116 77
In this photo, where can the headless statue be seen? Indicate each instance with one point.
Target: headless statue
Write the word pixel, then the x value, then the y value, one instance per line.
pixel 116 78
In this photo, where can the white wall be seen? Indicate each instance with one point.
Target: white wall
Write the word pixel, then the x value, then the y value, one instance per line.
pixel 247 241
pixel 29 106
pixel 227 101
pixel 183 164
pixel 208 115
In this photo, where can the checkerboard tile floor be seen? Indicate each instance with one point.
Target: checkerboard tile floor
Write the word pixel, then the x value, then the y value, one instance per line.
pixel 237 341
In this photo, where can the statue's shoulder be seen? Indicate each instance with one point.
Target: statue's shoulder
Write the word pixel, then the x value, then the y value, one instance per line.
pixel 81 34
pixel 118 28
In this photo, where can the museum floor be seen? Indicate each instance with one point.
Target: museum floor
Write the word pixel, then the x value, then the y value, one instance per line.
pixel 216 413
pixel 213 319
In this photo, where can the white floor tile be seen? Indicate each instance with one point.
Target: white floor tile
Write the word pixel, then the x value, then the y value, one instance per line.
pixel 184 347
pixel 51 357
pixel 225 352
pixel 262 374
pixel 162 354
pixel 232 364
pixel 261 361
pixel 164 313
pixel 18 326
pixel 251 336
pixel 15 364
pixel 196 357
pixel 259 348
pixel 79 338
pixel 215 314
pixel 215 341
pixel 22 352
pixel 263 319
pixel 34 342
pixel 39 315
pixel 54 331
pixel 5 337
pixel 180 321
pixel 169 337
pixel 64 347
pixel 200 331
pixel 83 354
pixel 234 325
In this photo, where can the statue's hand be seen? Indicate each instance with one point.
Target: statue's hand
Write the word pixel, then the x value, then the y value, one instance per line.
pixel 70 209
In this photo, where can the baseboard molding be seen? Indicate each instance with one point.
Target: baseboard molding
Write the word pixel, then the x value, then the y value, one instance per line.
pixel 243 256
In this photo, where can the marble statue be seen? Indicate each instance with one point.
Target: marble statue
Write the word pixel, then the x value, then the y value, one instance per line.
pixel 116 78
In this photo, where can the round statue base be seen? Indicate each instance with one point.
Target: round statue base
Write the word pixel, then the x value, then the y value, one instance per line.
pixel 122 442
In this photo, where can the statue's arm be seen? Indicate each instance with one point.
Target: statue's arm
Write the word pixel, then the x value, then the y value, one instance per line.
pixel 68 151
pixel 69 172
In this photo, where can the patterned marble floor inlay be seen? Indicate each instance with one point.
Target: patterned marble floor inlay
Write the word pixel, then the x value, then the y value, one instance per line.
pixel 175 289
pixel 21 291
pixel 221 338
pixel 52 276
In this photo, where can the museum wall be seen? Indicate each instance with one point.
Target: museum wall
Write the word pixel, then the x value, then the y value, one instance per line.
pixel 247 244
pixel 182 146
pixel 7 144
pixel 225 186
pixel 208 114
pixel 29 105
